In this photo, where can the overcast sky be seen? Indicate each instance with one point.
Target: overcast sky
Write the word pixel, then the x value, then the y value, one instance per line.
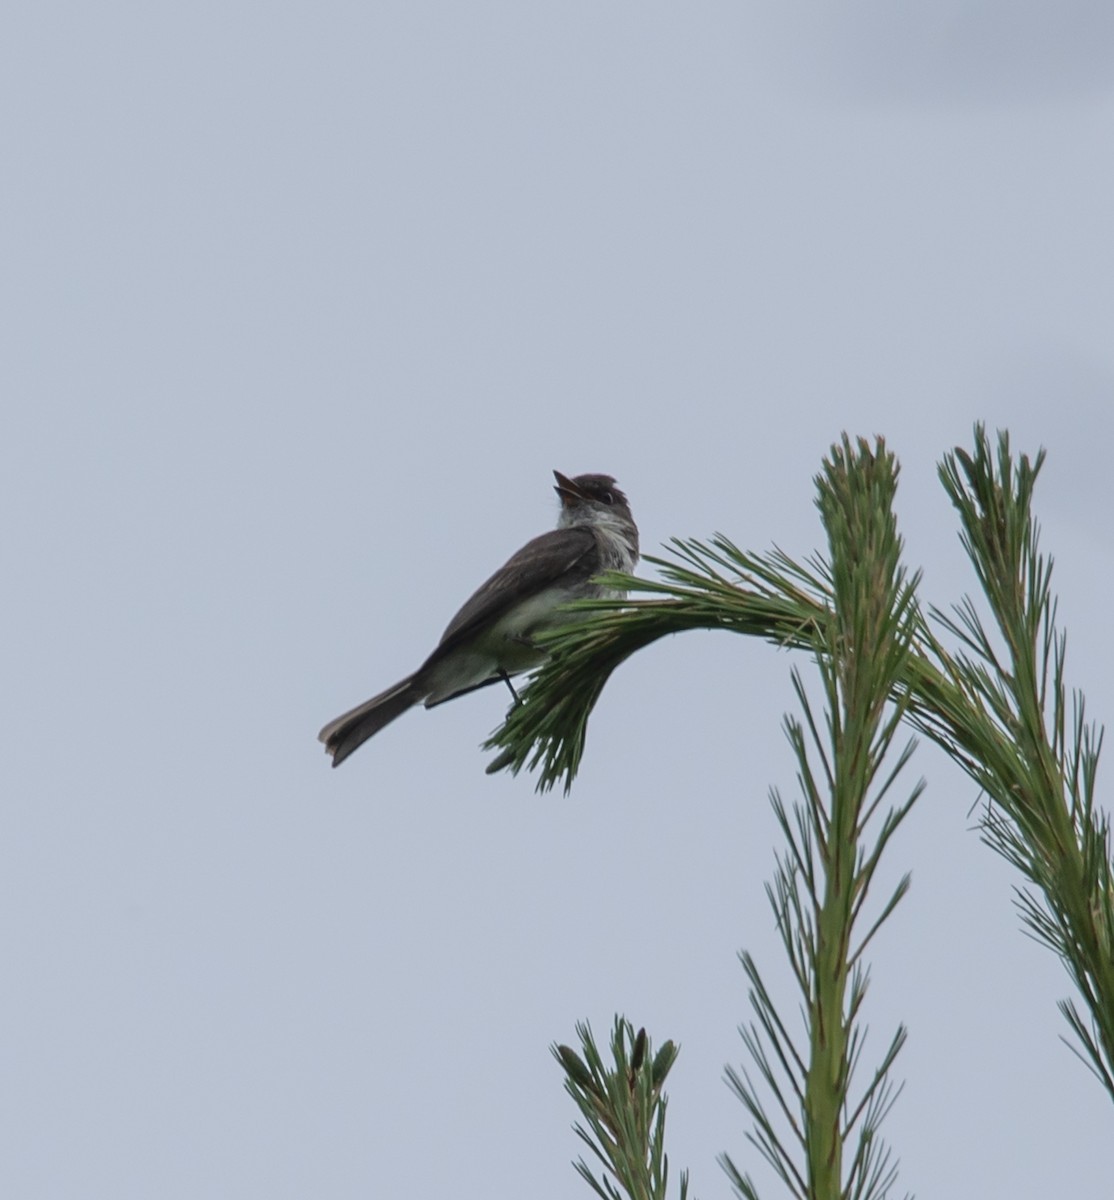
pixel 301 306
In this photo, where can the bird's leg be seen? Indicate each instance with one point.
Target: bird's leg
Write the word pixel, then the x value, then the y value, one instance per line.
pixel 507 680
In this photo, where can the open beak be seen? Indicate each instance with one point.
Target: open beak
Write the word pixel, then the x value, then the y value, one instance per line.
pixel 568 491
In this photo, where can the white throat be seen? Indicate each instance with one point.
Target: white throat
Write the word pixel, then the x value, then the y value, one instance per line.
pixel 618 539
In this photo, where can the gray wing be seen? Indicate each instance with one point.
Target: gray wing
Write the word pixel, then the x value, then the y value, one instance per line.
pixel 538 565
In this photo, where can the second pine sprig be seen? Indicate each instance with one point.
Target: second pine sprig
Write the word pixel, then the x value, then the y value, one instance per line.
pixel 623 1110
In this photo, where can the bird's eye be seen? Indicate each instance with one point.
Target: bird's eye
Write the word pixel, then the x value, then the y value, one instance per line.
pixel 606 496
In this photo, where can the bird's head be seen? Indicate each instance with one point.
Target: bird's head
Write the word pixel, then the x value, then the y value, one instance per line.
pixel 595 500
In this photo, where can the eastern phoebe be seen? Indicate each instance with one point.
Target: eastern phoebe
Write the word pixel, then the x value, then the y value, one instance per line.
pixel 491 638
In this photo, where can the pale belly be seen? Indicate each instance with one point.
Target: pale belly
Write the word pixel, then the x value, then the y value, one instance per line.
pixel 507 646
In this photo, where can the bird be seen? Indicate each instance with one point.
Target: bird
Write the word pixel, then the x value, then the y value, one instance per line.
pixel 491 638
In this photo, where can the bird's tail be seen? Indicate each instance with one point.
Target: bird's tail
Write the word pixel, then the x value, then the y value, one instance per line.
pixel 350 730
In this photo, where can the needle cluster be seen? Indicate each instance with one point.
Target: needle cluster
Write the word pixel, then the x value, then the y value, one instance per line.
pixel 623 1108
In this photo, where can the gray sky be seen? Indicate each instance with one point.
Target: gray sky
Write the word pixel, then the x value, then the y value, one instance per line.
pixel 301 306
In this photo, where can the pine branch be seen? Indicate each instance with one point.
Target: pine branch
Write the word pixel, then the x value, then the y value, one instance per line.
pixel 822 1139
pixel 1029 749
pixel 547 730
pixel 624 1112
